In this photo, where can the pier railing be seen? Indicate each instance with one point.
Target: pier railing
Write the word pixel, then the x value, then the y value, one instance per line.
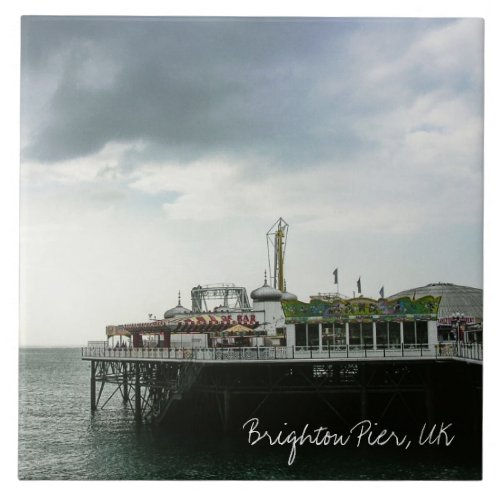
pixel 463 351
pixel 258 353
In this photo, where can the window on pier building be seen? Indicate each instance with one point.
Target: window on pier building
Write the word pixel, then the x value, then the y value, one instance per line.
pixel 333 334
pixel 382 333
pixel 409 332
pixel 445 333
pixel 422 332
pixel 361 333
pixel 355 333
pixel 339 329
pixel 367 334
pixel 394 333
pixel 313 335
pixel 300 335
pixel 328 334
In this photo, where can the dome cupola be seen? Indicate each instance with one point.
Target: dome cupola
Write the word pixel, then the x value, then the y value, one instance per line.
pixel 266 293
pixel 177 310
pixel 288 296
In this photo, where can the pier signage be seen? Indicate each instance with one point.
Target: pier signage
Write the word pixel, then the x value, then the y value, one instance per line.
pixel 227 319
pixel 215 319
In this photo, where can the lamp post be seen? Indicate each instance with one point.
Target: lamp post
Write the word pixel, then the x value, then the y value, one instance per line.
pixel 458 320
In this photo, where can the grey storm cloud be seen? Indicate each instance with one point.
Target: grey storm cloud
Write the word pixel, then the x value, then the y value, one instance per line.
pixel 156 153
pixel 189 87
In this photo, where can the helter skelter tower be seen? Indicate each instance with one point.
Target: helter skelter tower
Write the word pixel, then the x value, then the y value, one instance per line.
pixel 276 246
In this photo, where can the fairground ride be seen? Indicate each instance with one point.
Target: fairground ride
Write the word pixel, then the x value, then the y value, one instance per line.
pixel 276 247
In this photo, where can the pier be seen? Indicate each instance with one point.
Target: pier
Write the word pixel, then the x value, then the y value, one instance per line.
pixel 226 386
pixel 414 356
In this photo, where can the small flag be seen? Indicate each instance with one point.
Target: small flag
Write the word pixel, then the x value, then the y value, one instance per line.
pixel 336 276
pixel 382 292
pixel 359 285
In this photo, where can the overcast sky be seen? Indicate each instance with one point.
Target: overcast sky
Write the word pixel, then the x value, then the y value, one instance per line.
pixel 157 152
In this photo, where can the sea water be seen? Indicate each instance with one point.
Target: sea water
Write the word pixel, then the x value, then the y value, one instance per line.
pixel 59 438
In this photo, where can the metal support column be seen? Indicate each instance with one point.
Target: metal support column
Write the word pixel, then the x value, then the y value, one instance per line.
pixel 93 406
pixel 125 383
pixel 138 412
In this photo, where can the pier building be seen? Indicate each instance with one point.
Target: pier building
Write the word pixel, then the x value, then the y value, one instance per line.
pixel 460 311
pixel 228 359
pixel 424 316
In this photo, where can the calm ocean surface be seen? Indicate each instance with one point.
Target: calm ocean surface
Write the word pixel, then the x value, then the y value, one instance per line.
pixel 60 439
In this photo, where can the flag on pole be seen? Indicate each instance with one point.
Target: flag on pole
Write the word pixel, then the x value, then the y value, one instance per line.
pixel 336 276
pixel 382 292
pixel 359 284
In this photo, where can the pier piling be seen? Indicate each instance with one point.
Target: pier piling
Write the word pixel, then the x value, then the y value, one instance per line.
pixel 93 405
pixel 125 384
pixel 138 413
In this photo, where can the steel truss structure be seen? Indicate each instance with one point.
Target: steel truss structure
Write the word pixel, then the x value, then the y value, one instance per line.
pixel 232 296
pixel 276 245
pixel 348 391
pixel 340 391
pixel 149 388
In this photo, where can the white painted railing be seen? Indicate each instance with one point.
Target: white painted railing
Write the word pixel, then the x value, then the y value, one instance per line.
pixel 460 350
pixel 261 353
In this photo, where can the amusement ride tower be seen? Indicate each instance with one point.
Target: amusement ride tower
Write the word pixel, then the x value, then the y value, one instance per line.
pixel 276 245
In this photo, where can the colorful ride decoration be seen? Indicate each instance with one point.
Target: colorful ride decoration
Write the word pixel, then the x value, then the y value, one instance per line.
pixel 361 308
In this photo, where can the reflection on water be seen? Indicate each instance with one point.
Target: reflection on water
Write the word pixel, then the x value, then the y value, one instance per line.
pixel 59 439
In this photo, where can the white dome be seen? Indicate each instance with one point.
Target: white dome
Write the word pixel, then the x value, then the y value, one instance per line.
pixel 288 296
pixel 266 294
pixel 177 310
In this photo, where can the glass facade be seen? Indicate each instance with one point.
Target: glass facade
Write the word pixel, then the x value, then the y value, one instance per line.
pixel 409 334
pixel 300 335
pixel 422 332
pixel 382 334
pixel 339 329
pixel 333 334
pixel 387 334
pixel 355 334
pixel 367 334
pixel 327 335
pixel 394 333
pixel 313 335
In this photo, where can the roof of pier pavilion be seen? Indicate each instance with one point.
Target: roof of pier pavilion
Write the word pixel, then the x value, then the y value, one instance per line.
pixel 188 323
pixel 456 300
